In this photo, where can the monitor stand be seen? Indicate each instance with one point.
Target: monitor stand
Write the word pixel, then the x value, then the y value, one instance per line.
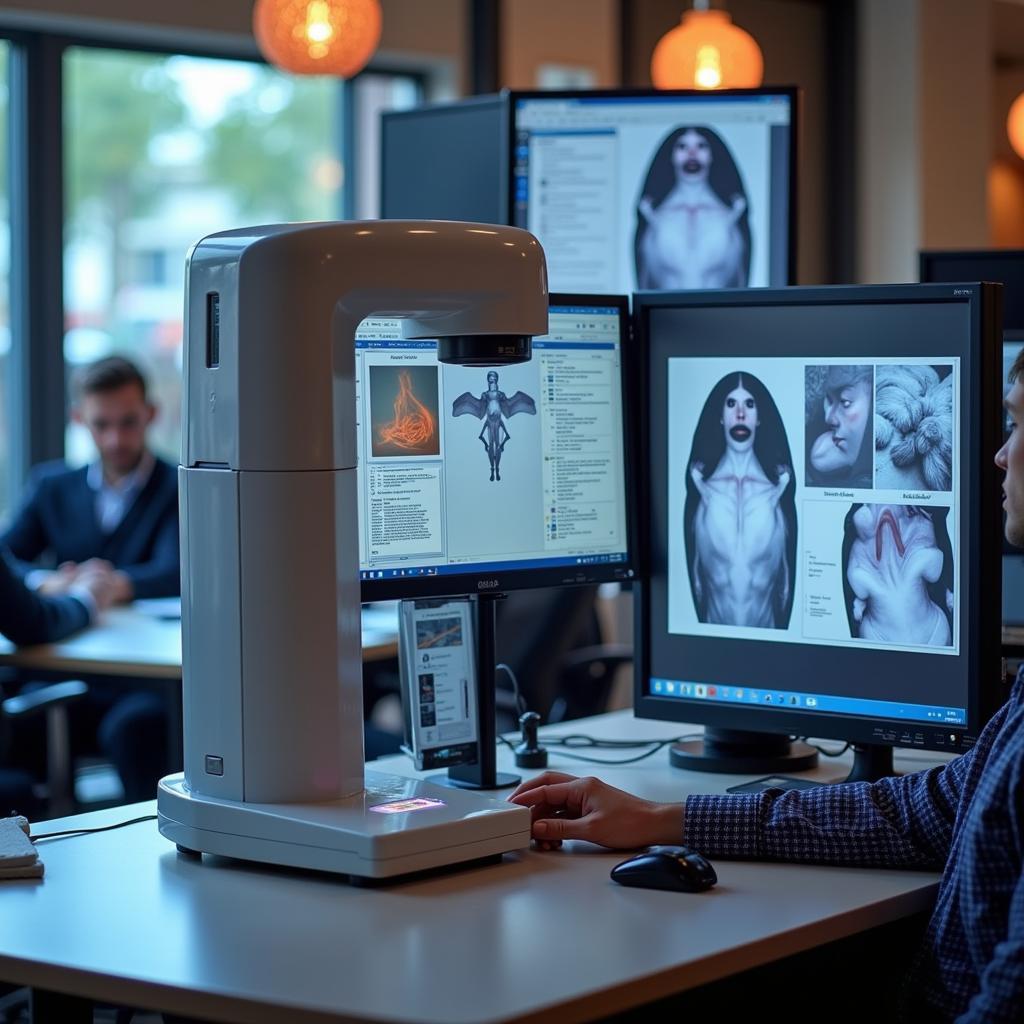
pixel 735 752
pixel 483 774
pixel 871 762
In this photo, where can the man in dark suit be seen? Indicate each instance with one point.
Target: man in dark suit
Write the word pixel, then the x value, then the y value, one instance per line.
pixel 122 509
pixel 30 618
pixel 118 514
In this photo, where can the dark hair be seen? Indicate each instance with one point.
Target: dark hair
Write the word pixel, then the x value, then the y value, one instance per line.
pixel 771 448
pixel 109 374
pixel 936 591
pixel 820 381
pixel 723 179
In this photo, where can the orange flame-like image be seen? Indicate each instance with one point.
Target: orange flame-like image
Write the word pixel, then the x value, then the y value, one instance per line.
pixel 414 426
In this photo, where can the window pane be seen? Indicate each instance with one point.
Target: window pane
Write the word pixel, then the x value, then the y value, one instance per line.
pixel 375 93
pixel 161 151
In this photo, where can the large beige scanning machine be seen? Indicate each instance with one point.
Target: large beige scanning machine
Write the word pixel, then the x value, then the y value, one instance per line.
pixel 270 583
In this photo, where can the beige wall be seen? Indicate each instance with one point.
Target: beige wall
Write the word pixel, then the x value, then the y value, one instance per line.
pixel 570 33
pixel 924 134
pixel 956 96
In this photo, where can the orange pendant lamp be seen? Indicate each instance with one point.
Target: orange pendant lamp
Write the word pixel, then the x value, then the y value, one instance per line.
pixel 1015 125
pixel 318 37
pixel 707 51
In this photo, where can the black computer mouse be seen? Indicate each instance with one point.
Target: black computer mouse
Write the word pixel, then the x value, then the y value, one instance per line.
pixel 676 868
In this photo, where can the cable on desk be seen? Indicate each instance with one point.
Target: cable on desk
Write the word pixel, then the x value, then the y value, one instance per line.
pixel 821 750
pixel 520 702
pixel 578 740
pixel 85 831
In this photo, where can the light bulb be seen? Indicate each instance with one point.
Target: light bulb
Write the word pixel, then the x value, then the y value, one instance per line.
pixel 708 74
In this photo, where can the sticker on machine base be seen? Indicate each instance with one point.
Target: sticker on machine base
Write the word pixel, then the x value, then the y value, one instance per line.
pixel 421 803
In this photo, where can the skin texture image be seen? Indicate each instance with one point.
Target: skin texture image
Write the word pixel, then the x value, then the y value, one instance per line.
pixel 899 575
pixel 493 407
pixel 739 518
pixel 692 225
pixel 839 409
pixel 914 427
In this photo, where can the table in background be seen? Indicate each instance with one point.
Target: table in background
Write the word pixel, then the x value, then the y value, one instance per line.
pixel 143 641
pixel 122 917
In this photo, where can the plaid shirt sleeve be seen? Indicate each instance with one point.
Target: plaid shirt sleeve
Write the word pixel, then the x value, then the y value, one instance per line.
pixel 905 821
pixel 1001 996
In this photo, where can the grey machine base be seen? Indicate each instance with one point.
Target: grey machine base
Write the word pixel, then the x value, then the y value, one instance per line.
pixel 396 826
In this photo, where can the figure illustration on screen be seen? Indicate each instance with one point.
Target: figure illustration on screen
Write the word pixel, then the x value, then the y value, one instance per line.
pixel 739 520
pixel 403 411
pixel 493 407
pixel 899 574
pixel 838 405
pixel 914 427
pixel 693 228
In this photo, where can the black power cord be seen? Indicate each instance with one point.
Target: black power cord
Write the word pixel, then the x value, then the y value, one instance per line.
pixel 577 741
pixel 86 831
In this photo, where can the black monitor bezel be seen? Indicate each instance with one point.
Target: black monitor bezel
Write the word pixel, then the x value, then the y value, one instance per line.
pixel 454 584
pixel 928 259
pixel 981 604
pixel 791 92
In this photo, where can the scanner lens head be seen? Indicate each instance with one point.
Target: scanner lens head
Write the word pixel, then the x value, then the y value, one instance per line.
pixel 484 349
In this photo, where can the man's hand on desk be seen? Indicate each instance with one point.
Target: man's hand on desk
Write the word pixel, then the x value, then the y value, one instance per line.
pixel 99 581
pixel 106 584
pixel 565 807
pixel 56 582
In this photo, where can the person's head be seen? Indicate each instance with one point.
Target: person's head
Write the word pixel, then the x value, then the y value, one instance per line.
pixel 691 155
pixel 492 378
pixel 739 418
pixel 1010 458
pixel 847 412
pixel 110 401
pixel 740 415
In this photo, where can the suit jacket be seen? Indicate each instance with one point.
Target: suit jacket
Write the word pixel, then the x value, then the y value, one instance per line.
pixel 30 618
pixel 58 519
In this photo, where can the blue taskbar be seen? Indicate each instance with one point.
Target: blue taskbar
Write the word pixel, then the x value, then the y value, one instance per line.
pixel 814 702
pixel 474 568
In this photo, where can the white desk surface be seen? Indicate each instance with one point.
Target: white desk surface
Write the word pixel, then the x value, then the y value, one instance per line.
pixel 540 937
pixel 137 641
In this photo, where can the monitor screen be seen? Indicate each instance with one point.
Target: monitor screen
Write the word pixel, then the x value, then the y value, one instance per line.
pixel 476 479
pixel 657 190
pixel 823 512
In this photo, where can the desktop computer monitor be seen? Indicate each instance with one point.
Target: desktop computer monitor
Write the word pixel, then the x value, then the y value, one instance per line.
pixel 651 189
pixel 483 480
pixel 822 519
pixel 1004 266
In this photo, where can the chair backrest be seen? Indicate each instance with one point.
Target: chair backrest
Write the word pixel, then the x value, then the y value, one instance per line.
pixel 535 629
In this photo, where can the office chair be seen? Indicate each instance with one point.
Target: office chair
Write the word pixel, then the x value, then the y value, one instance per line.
pixel 551 639
pixel 18 788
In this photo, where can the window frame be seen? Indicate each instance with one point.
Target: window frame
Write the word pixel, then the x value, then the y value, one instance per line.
pixel 37 403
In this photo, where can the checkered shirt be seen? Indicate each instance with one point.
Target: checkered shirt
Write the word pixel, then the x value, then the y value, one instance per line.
pixel 965 818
